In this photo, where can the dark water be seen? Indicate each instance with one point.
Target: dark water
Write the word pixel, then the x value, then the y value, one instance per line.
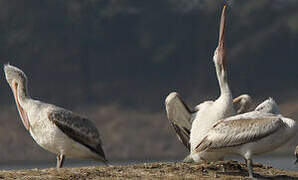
pixel 279 162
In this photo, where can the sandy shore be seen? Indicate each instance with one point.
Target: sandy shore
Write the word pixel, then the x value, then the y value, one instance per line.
pixel 220 170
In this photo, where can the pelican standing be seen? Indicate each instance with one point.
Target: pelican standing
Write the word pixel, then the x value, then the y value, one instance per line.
pixel 212 111
pixel 256 132
pixel 53 128
pixel 181 116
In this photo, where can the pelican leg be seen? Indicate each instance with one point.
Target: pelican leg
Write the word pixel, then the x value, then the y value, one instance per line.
pixel 60 160
pixel 245 161
pixel 249 166
pixel 188 159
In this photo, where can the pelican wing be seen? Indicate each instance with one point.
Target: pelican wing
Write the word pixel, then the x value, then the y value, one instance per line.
pixel 180 117
pixel 77 128
pixel 230 133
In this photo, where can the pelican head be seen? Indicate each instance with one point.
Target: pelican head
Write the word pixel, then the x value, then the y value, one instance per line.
pixel 268 106
pixel 17 81
pixel 14 76
pixel 219 57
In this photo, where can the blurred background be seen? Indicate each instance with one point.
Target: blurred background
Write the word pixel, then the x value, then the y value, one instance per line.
pixel 115 61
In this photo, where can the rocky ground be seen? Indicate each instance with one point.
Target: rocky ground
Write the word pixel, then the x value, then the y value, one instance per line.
pixel 212 170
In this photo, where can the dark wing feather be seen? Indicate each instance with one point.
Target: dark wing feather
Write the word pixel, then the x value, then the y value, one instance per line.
pixel 179 116
pixel 77 128
pixel 232 133
pixel 183 135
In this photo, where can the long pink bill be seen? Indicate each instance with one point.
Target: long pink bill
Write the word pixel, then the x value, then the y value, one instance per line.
pixel 221 46
pixel 222 26
pixel 22 112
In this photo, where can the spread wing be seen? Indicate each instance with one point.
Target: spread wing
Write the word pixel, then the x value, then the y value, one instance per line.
pixel 78 128
pixel 229 133
pixel 180 117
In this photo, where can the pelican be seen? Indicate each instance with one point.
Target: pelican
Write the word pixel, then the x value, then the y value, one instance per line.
pixel 53 128
pixel 243 104
pixel 181 116
pixel 210 112
pixel 248 134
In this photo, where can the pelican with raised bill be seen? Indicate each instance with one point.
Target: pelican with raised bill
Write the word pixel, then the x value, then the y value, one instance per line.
pixel 248 134
pixel 53 128
pixel 192 125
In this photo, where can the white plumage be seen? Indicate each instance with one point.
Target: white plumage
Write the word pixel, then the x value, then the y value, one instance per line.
pixel 256 132
pixel 208 112
pixel 55 129
pixel 212 111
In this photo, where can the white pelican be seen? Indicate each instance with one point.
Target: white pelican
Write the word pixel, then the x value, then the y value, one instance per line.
pixel 212 111
pixel 55 129
pixel 256 132
pixel 205 114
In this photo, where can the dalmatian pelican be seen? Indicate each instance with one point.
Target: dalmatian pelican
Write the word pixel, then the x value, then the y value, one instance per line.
pixel 55 129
